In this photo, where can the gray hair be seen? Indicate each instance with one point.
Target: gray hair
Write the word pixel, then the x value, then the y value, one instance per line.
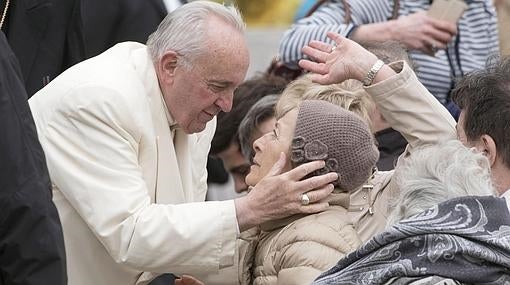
pixel 258 113
pixel 184 29
pixel 434 174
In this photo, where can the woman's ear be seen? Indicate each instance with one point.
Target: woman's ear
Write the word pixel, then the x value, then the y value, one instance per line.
pixel 487 145
pixel 166 67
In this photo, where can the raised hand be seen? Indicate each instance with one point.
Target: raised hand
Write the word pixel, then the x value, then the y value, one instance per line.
pixel 334 64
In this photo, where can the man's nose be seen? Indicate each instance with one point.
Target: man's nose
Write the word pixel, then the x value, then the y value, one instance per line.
pixel 225 102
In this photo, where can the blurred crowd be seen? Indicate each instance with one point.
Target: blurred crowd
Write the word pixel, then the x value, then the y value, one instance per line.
pixel 373 149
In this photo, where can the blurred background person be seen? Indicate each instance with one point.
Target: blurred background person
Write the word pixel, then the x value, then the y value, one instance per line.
pixel 503 8
pixel 443 51
pixel 106 23
pixel 31 241
pixel 46 37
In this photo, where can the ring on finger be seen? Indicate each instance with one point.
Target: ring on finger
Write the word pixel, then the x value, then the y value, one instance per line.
pixel 305 200
pixel 433 47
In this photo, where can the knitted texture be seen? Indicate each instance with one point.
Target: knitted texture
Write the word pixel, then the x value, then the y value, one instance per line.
pixel 327 132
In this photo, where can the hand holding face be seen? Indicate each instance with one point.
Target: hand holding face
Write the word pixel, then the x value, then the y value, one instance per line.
pixel 334 64
pixel 281 195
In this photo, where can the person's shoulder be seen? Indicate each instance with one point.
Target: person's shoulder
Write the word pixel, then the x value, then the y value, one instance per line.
pixel 331 228
pixel 315 240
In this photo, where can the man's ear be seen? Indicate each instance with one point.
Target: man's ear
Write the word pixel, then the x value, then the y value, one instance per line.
pixel 487 145
pixel 166 66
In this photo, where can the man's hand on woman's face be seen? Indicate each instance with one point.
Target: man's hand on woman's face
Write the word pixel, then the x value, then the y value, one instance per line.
pixel 279 195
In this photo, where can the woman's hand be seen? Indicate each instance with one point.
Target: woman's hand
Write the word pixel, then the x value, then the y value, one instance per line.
pixel 346 60
pixel 334 64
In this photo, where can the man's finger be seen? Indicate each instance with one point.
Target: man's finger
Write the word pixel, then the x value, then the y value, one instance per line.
pixel 316 182
pixel 278 166
pixel 315 54
pixel 314 208
pixel 303 170
pixel 319 194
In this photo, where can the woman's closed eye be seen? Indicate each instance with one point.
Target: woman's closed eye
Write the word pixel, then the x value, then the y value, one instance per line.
pixel 274 134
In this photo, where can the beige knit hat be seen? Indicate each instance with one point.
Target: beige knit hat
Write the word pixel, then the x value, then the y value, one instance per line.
pixel 339 137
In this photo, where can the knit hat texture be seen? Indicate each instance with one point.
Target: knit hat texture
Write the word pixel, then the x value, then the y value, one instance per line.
pixel 341 138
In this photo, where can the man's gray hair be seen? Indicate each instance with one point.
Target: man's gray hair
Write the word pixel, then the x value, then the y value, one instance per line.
pixel 434 174
pixel 258 113
pixel 184 30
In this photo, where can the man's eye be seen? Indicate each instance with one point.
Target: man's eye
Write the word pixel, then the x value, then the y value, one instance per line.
pixel 216 88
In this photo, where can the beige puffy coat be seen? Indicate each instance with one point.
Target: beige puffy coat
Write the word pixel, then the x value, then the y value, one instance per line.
pixel 296 250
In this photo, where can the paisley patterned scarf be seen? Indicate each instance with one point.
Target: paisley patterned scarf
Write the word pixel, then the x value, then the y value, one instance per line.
pixel 466 239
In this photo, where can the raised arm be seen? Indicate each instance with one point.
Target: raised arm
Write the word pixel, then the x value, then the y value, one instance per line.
pixel 404 102
pixel 368 21
pixel 328 17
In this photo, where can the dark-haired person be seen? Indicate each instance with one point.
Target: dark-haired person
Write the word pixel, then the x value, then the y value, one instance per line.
pixel 46 37
pixel 443 51
pixel 484 123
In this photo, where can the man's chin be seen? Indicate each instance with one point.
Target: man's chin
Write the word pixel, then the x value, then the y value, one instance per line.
pixel 194 128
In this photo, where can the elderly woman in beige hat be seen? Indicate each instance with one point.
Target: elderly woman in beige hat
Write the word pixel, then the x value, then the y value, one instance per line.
pixel 296 250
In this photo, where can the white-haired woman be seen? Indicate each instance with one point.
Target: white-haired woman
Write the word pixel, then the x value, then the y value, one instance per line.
pixel 447 226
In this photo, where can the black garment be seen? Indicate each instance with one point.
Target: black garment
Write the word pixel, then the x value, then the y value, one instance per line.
pixel 31 241
pixel 216 172
pixel 46 36
pixel 106 23
pixel 391 145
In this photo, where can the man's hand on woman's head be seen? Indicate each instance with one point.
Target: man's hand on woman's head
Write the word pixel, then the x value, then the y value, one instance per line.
pixel 279 195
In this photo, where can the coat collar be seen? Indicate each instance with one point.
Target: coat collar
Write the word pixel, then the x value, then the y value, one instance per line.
pixel 173 166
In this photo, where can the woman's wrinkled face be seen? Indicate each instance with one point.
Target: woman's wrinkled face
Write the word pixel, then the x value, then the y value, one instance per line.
pixel 268 148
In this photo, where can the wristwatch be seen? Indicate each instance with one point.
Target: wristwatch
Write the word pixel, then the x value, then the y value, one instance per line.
pixel 369 78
